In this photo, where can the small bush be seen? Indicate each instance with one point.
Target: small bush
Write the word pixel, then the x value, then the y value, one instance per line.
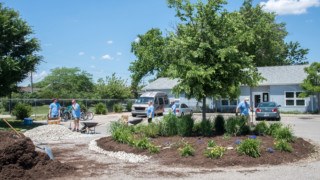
pixel 261 128
pixel 196 128
pixel 219 125
pixel 153 149
pixel 235 125
pixel 129 106
pixel 143 143
pixel 250 147
pixel 284 133
pixel 206 128
pixel 121 133
pixel 211 143
pixel 100 108
pixel 283 145
pixel 151 130
pixel 186 150
pixel 117 108
pixel 273 128
pixel 22 111
pixel 168 126
pixel 185 125
pixel 215 152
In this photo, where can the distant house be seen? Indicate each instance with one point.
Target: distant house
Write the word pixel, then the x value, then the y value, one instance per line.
pixel 281 84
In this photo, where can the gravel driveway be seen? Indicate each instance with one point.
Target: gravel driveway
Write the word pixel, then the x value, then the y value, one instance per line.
pixel 95 165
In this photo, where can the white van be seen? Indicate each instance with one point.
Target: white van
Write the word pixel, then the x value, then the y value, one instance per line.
pixel 159 99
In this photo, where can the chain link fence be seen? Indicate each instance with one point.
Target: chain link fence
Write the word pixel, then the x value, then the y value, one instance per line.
pixel 40 107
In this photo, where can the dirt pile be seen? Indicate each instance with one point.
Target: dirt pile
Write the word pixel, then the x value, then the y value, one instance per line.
pixel 19 160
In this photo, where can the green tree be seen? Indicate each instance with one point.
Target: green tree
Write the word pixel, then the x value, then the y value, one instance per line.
pixel 205 51
pixel 18 50
pixel 66 83
pixel 311 84
pixel 267 44
pixel 113 88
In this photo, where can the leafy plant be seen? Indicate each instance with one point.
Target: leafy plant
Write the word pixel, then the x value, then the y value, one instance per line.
pixel 153 149
pixel 215 152
pixel 100 108
pixel 151 130
pixel 211 143
pixel 219 124
pixel 235 125
pixel 273 128
pixel 250 147
pixel 284 133
pixel 186 150
pixel 261 128
pixel 206 128
pixel 121 133
pixel 129 106
pixel 117 108
pixel 283 145
pixel 22 111
pixel 143 143
pixel 168 126
pixel 185 125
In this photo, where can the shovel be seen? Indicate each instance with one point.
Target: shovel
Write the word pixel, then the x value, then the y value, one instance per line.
pixel 47 150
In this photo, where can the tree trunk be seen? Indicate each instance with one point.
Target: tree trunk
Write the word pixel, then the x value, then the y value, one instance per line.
pixel 204 109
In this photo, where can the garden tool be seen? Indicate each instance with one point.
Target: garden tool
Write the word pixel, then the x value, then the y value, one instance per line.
pixel 11 127
pixel 47 150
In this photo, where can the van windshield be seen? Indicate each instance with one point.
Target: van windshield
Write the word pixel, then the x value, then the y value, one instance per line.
pixel 144 100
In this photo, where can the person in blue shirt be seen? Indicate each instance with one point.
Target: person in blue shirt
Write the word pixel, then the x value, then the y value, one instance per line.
pixel 244 108
pixel 54 109
pixel 76 115
pixel 150 112
pixel 174 107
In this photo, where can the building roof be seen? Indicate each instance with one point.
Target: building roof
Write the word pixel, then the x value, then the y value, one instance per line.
pixel 274 75
pixel 283 75
pixel 161 83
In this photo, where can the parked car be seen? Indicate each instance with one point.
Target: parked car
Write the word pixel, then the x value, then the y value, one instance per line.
pixel 268 110
pixel 181 109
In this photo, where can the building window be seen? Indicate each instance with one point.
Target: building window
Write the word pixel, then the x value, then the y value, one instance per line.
pixel 226 102
pixel 293 99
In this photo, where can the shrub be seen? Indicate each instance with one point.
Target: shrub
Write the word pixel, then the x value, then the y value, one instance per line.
pixel 121 133
pixel 235 126
pixel 100 108
pixel 215 152
pixel 151 130
pixel 211 143
pixel 117 108
pixel 185 125
pixel 186 150
pixel 250 147
pixel 168 126
pixel 22 111
pixel 283 145
pixel 129 106
pixel 153 149
pixel 196 128
pixel 273 128
pixel 284 133
pixel 206 128
pixel 219 124
pixel 143 143
pixel 261 128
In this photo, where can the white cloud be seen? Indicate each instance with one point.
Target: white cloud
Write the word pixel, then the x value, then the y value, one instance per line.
pixel 137 40
pixel 107 57
pixel 81 53
pixel 110 42
pixel 119 53
pixel 93 57
pixel 282 7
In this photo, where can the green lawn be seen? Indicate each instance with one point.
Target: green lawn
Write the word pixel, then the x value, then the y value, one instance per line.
pixel 16 124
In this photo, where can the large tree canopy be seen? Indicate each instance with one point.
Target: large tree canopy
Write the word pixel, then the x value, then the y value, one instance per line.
pixel 66 83
pixel 311 84
pixel 17 50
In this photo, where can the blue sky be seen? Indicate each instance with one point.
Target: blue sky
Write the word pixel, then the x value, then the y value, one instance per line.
pixel 96 35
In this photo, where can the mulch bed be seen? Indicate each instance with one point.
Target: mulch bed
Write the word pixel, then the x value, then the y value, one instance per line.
pixel 171 156
pixel 19 160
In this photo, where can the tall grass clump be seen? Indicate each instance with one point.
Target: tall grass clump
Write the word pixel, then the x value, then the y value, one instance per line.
pixel 117 108
pixel 219 125
pixel 122 133
pixel 273 128
pixel 168 126
pixel 185 125
pixel 283 145
pixel 206 128
pixel 237 126
pixel 284 133
pixel 250 147
pixel 261 128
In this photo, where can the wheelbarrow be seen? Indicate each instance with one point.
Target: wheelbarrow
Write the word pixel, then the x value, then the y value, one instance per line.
pixel 88 127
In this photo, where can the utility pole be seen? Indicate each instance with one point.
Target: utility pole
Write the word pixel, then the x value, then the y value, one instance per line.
pixel 31 82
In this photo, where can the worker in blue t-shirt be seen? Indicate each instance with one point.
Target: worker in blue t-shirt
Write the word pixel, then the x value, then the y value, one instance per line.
pixel 244 108
pixel 174 107
pixel 150 112
pixel 54 109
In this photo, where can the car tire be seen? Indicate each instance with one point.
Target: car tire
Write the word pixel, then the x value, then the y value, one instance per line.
pixel 257 119
pixel 134 115
pixel 278 119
